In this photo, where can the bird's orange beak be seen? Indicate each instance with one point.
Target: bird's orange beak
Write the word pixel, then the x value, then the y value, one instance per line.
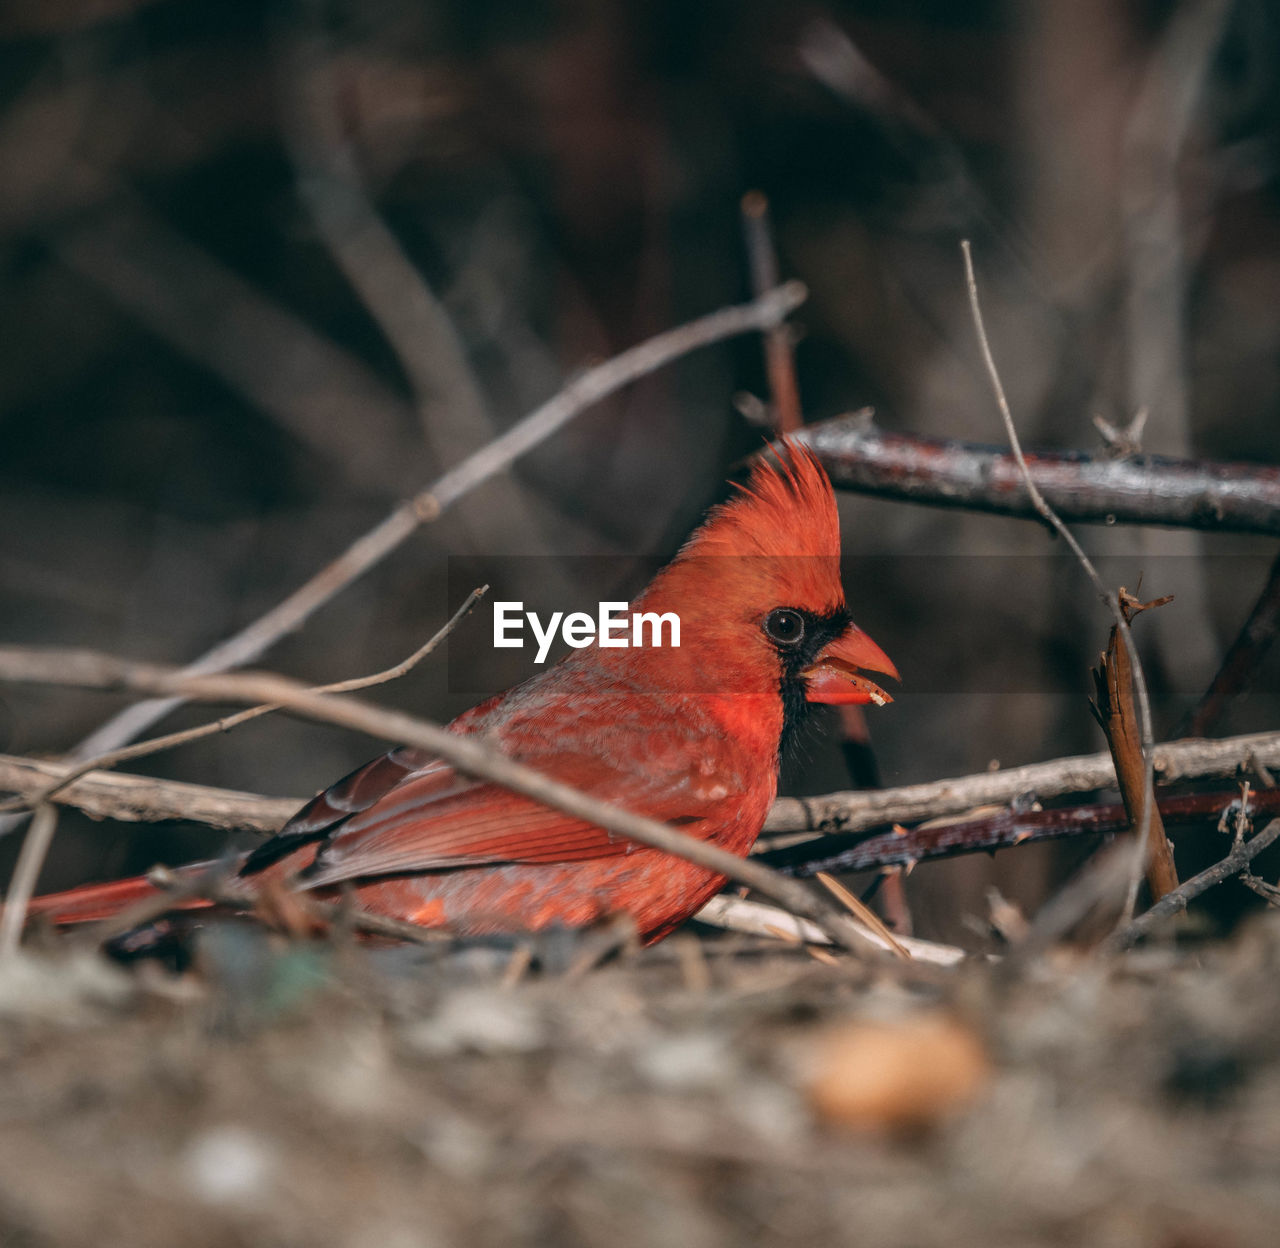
pixel 836 676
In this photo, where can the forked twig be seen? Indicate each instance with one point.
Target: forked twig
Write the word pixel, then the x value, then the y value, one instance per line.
pixel 1243 853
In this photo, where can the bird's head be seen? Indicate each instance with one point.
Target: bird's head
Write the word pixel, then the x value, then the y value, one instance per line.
pixel 759 593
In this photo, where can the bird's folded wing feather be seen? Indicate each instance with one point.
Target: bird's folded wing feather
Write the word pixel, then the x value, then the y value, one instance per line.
pixel 410 812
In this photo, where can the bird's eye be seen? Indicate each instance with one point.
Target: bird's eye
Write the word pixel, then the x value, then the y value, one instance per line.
pixel 784 626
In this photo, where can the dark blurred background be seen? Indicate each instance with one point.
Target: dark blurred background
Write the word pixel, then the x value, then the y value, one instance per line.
pixel 268 268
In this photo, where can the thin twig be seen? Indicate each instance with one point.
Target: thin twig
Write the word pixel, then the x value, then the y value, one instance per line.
pixel 375 545
pixel 88 669
pixel 35 846
pixel 156 744
pixel 1082 488
pixel 1175 902
pixel 1243 658
pixel 755 918
pixel 779 352
pixel 1112 601
pixel 859 909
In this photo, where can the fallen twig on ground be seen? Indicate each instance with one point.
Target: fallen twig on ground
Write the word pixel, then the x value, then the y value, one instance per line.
pixel 755 918
pixel 1081 488
pixel 1081 773
pixel 144 799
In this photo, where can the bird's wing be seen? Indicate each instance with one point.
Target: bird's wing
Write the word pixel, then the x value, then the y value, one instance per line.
pixel 410 812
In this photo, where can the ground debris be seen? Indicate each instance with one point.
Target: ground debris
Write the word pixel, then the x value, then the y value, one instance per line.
pixel 336 1095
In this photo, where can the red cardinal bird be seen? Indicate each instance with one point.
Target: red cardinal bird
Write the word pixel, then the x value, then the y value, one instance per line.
pixel 689 735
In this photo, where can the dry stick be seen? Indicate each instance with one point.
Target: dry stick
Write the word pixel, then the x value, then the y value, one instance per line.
pixel 1243 658
pixel 88 669
pixel 174 739
pixel 375 545
pixel 1114 710
pixel 755 918
pixel 861 911
pixel 1081 488
pixel 1176 902
pixel 156 744
pixel 35 845
pixel 1112 601
pixel 146 799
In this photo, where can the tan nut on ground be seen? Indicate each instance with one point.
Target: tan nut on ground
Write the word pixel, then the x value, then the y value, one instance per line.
pixel 895 1076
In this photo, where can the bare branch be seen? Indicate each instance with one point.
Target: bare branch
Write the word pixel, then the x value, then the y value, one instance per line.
pixel 1082 489
pixel 330 185
pixel 141 799
pixel 1004 829
pixel 1243 853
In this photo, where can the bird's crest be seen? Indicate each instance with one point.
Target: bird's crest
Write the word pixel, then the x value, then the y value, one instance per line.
pixel 786 508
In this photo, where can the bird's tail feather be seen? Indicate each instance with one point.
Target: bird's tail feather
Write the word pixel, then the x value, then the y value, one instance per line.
pixel 92 902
